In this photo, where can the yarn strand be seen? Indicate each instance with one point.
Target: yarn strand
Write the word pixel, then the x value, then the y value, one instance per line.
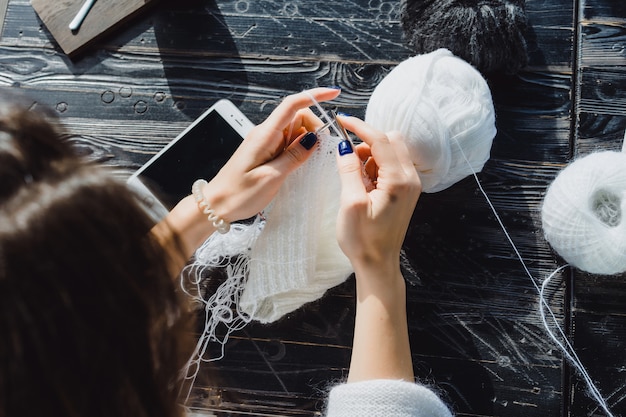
pixel 222 309
pixel 571 353
pixel 565 346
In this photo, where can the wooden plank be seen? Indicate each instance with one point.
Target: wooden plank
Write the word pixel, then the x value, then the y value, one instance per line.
pixel 603 10
pixel 598 313
pixel 602 91
pixel 4 4
pixel 599 320
pixel 103 18
pixel 603 44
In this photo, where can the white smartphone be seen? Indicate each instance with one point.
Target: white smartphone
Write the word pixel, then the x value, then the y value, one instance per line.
pixel 198 152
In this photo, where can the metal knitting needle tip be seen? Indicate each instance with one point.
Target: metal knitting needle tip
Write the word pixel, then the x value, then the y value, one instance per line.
pixel 323 127
pixel 342 130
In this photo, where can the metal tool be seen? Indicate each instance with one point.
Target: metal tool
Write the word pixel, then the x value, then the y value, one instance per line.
pixel 342 130
pixel 80 16
pixel 323 127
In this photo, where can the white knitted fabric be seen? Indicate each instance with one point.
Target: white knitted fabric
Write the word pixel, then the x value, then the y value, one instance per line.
pixel 443 108
pixel 384 398
pixel 297 258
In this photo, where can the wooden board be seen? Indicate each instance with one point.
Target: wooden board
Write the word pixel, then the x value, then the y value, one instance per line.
pixel 598 317
pixel 104 17
pixel 3 10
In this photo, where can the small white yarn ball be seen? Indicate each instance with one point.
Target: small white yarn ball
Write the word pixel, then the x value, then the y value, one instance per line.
pixel 441 105
pixel 583 213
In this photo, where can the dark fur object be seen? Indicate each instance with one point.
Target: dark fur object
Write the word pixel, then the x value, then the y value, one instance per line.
pixel 488 34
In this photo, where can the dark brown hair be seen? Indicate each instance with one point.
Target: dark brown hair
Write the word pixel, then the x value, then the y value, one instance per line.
pixel 91 323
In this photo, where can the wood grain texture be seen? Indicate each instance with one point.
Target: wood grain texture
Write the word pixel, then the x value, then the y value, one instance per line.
pixel 599 308
pixel 4 4
pixel 473 311
pixel 101 19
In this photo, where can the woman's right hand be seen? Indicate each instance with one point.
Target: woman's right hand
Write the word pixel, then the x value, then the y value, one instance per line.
pixel 372 224
pixel 370 229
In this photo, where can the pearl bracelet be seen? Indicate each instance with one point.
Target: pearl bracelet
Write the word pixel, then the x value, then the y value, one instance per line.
pixel 219 223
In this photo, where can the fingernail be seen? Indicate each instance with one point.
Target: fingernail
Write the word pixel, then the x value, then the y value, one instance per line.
pixel 334 87
pixel 343 114
pixel 309 140
pixel 345 147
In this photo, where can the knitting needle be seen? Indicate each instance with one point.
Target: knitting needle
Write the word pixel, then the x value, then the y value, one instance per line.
pixel 333 121
pixel 80 16
pixel 344 134
pixel 342 129
pixel 323 127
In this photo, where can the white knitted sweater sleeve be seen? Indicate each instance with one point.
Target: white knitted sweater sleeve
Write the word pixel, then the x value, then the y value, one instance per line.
pixel 384 398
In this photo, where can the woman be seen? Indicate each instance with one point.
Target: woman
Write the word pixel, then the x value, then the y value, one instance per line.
pixel 91 324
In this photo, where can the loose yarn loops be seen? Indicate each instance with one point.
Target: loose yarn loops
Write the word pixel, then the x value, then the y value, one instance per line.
pixel 584 211
pixel 222 312
pixel 443 108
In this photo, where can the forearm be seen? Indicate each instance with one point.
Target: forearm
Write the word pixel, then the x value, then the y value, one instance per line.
pixel 381 347
pixel 182 231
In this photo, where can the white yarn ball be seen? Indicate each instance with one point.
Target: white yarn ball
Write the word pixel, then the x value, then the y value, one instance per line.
pixel 440 104
pixel 584 211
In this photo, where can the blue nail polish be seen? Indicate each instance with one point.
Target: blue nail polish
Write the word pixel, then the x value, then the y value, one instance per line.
pixel 309 140
pixel 334 87
pixel 345 147
pixel 343 114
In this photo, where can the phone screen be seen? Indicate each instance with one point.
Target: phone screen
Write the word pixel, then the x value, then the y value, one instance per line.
pixel 201 153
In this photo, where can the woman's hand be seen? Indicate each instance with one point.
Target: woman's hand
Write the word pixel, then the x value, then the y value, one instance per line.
pixel 273 149
pixel 372 225
pixel 251 177
pixel 370 229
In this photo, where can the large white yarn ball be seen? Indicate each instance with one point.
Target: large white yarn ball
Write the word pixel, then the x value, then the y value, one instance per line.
pixel 583 213
pixel 443 108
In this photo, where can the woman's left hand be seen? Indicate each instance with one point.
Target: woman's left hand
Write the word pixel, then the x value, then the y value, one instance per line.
pixel 253 175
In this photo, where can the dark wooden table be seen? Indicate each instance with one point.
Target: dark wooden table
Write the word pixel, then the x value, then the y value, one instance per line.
pixel 474 321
